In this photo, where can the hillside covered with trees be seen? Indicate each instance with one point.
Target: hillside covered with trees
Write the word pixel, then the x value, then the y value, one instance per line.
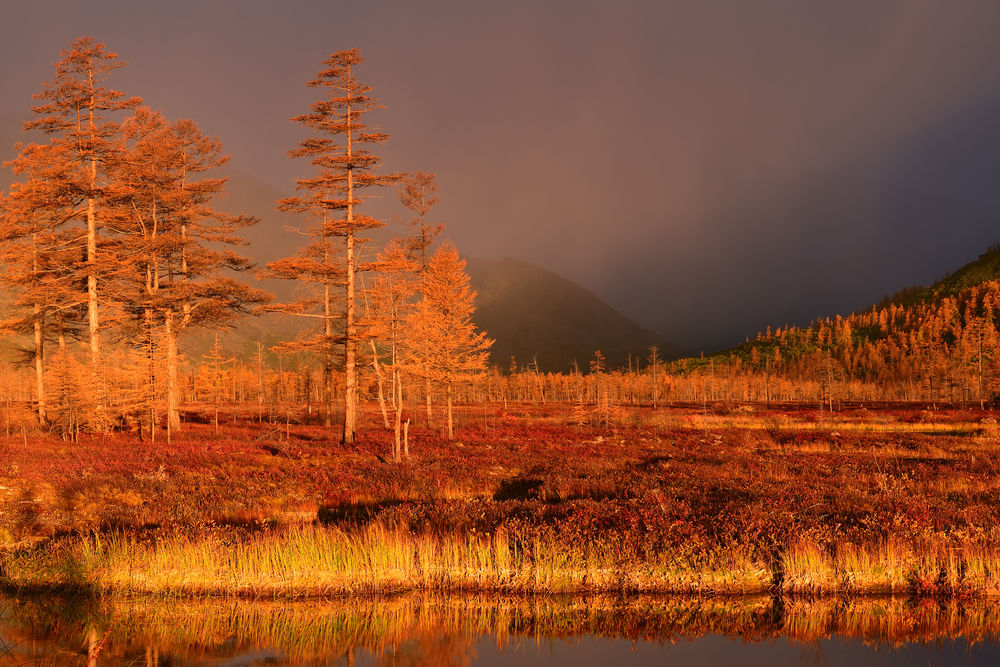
pixel 936 344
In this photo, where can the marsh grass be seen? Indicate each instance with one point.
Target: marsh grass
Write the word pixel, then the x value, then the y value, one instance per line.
pixel 316 561
pixel 926 568
pixel 312 561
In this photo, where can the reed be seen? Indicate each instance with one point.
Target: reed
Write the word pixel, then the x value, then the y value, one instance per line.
pixel 927 567
pixel 314 561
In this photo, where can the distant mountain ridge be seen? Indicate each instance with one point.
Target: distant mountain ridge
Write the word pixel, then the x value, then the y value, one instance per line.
pixel 537 315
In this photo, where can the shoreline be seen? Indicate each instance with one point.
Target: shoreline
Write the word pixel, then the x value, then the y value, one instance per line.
pixel 315 562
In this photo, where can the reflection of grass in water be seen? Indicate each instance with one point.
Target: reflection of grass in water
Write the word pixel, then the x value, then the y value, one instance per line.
pixel 431 626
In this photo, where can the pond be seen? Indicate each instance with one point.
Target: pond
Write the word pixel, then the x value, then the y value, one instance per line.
pixel 411 630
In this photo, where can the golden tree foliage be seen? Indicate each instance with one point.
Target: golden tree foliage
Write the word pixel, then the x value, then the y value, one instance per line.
pixel 112 228
pixel 389 304
pixel 444 343
pixel 82 117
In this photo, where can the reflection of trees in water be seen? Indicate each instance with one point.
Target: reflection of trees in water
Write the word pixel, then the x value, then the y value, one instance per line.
pixel 447 650
pixel 410 631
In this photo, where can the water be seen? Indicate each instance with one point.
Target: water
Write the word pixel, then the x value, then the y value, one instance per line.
pixel 407 631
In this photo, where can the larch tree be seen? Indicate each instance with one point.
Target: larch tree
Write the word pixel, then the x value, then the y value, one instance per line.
pixel 179 242
pixel 444 342
pixel 343 168
pixel 419 195
pixel 40 256
pixel 81 116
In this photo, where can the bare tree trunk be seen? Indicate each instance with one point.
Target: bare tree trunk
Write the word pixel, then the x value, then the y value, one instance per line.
pixel 151 372
pixel 93 647
pixel 381 384
pixel 350 370
pixel 40 363
pixel 397 440
pixel 451 430
pixel 427 397
pixel 397 400
pixel 328 347
pixel 260 382
pixel 406 438
pixel 92 315
pixel 173 402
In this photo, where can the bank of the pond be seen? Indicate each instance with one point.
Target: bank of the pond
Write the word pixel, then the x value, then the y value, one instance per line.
pixel 318 561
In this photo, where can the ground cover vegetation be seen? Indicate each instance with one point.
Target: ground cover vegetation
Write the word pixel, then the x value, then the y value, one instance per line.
pixel 667 500
pixel 378 452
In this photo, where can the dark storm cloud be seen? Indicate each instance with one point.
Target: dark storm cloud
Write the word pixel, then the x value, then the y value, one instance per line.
pixel 708 167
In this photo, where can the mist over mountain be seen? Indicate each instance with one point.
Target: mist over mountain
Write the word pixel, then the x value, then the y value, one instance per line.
pixel 537 315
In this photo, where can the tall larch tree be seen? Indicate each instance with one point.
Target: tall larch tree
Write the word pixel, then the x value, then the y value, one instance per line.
pixel 40 255
pixel 443 338
pixel 82 118
pixel 180 242
pixel 343 168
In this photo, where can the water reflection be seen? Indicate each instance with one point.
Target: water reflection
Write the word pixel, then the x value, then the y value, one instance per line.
pixel 408 631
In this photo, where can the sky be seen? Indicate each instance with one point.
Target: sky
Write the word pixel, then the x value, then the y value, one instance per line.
pixel 709 168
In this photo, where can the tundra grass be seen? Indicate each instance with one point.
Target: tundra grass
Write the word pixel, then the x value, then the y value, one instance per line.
pixel 315 561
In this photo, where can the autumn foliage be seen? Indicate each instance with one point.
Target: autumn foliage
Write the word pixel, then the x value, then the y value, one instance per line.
pixel 774 459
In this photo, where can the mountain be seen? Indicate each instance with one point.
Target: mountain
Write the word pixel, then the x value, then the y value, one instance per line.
pixel 532 313
pixel 536 314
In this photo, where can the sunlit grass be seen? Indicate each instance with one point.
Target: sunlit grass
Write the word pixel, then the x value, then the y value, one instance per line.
pixel 893 566
pixel 310 561
pixel 317 561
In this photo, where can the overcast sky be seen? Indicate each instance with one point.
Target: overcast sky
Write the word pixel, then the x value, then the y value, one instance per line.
pixel 708 168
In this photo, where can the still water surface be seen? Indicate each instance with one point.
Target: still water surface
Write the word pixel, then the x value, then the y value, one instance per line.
pixel 477 630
